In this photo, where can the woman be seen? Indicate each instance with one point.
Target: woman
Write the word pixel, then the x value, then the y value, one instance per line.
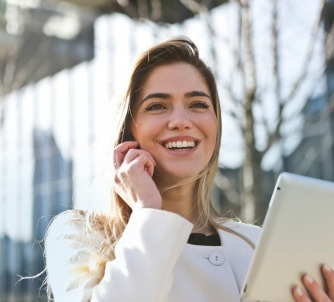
pixel 161 239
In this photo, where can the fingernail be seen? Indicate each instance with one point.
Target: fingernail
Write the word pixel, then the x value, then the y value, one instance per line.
pixel 327 268
pixel 308 279
pixel 298 291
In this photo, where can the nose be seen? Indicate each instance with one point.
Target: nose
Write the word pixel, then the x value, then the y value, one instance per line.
pixel 179 119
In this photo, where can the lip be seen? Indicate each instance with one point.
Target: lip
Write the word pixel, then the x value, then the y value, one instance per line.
pixel 180 152
pixel 179 138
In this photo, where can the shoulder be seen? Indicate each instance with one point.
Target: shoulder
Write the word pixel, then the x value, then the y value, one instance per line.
pixel 73 252
pixel 71 229
pixel 69 217
pixel 244 228
pixel 250 231
pixel 66 223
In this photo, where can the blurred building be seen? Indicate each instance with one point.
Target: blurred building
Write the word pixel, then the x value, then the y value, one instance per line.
pixel 52 193
pixel 35 178
pixel 38 39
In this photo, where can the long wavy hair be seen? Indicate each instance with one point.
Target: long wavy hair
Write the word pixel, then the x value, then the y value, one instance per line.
pixel 113 222
pixel 176 50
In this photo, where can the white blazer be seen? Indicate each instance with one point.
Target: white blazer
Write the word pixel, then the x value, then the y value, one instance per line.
pixel 154 262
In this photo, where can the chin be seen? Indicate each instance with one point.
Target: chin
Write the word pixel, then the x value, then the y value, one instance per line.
pixel 176 175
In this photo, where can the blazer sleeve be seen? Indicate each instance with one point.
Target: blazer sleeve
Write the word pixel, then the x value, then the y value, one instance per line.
pixel 142 270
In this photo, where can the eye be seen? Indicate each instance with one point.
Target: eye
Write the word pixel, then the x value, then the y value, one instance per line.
pixel 155 106
pixel 200 105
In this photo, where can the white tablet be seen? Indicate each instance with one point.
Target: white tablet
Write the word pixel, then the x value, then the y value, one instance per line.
pixel 297 237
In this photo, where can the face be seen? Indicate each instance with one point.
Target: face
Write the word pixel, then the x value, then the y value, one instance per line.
pixel 175 121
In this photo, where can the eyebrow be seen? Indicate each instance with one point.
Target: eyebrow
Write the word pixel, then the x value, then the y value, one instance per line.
pixel 160 95
pixel 197 93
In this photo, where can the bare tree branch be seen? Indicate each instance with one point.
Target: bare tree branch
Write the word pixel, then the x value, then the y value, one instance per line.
pixel 249 73
pixel 273 137
pixel 247 39
pixel 249 173
pixel 274 41
pixel 309 53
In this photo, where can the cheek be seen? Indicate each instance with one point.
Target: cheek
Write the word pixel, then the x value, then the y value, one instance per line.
pixel 212 131
pixel 147 126
pixel 211 128
pixel 144 133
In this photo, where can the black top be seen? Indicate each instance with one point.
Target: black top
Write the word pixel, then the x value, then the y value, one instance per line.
pixel 202 239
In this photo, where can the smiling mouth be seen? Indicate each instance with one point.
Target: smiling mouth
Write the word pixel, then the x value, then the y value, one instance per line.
pixel 180 145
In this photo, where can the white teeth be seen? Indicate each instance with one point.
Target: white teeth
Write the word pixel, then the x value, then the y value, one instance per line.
pixel 180 144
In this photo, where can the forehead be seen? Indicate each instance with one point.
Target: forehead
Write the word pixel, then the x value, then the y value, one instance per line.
pixel 175 78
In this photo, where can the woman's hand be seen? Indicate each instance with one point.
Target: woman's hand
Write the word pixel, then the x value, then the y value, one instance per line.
pixel 132 176
pixel 315 291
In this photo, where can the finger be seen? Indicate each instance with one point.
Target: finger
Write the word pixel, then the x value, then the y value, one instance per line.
pixel 145 162
pixel 133 153
pixel 314 289
pixel 328 274
pixel 149 167
pixel 300 295
pixel 121 150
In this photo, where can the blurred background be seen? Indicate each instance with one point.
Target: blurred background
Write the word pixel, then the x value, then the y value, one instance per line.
pixel 63 64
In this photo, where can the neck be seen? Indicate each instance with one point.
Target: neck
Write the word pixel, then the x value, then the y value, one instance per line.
pixel 180 200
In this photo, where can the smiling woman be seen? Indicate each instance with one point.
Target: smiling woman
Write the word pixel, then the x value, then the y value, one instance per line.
pixel 161 240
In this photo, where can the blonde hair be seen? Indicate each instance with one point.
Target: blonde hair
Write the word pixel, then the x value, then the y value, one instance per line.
pixel 112 223
pixel 179 49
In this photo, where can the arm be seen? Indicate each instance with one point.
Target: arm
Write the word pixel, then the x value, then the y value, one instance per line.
pixel 142 271
pixel 145 255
